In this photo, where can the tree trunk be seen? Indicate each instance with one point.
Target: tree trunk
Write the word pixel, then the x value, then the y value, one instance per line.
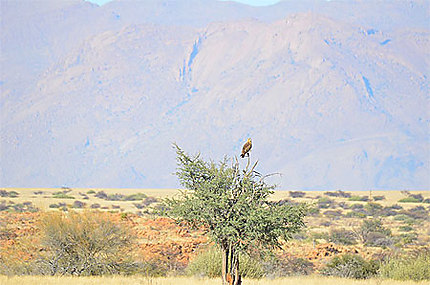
pixel 225 267
pixel 237 278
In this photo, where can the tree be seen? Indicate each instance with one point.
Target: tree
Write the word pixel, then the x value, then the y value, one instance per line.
pixel 232 204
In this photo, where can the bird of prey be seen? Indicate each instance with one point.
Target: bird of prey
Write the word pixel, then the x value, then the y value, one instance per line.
pixel 246 148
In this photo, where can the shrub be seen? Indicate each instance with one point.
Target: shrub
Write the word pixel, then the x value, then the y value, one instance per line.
pixel 351 266
pixel 359 198
pixel 378 198
pixel 101 195
pixel 373 233
pixel 54 206
pixel 135 197
pixel 149 200
pixel 344 237
pixel 297 194
pixel 62 195
pixel 409 200
pixel 407 238
pixel 373 209
pixel 357 206
pixel 95 206
pixel 356 214
pixel 338 193
pixel 333 214
pixel 208 263
pixel 91 192
pixel 415 266
pixel 427 201
pixel 324 203
pixel 418 212
pixel 84 244
pixel 9 194
pixel 78 205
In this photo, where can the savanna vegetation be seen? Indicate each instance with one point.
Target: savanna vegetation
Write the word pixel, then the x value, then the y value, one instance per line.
pixel 226 222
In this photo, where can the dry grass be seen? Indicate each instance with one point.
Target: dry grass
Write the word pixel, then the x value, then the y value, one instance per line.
pixel 44 200
pixel 311 280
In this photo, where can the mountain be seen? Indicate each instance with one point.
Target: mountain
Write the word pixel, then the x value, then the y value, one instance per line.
pixel 334 94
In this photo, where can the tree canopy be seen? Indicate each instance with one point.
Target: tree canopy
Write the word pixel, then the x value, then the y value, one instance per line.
pixel 233 205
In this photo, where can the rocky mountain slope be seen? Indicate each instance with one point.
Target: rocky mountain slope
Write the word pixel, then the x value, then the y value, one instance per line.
pixel 335 96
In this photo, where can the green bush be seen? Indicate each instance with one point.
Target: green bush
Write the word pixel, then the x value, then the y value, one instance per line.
pixel 378 198
pixel 62 195
pixel 351 266
pixel 91 192
pixel 208 263
pixel 409 266
pixel 359 198
pixel 410 199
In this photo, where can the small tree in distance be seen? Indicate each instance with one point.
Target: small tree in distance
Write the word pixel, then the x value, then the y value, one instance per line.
pixel 233 205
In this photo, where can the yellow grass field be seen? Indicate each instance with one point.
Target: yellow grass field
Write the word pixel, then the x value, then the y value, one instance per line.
pixel 311 280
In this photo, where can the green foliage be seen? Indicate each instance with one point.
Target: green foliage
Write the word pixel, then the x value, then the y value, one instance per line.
pixel 409 199
pixel 232 204
pixel 62 195
pixel 351 266
pixel 91 192
pixel 359 198
pixel 415 266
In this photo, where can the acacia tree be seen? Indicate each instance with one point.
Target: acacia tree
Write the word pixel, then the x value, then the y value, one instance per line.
pixel 232 204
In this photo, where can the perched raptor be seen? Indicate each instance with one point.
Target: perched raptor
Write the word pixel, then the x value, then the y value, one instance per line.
pixel 246 148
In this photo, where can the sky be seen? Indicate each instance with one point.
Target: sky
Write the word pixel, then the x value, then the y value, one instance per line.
pixel 249 2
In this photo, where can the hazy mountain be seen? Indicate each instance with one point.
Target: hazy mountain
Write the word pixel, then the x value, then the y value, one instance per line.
pixel 334 94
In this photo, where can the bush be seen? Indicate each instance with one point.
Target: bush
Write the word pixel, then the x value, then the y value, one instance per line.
pixel 9 194
pixel 373 233
pixel 338 193
pixel 78 205
pixel 407 238
pixel 415 266
pixel 101 195
pixel 324 203
pixel 208 264
pixel 91 192
pixel 84 244
pixel 297 194
pixel 378 198
pixel 373 209
pixel 333 214
pixel 351 266
pixel 409 199
pixel 62 195
pixel 95 206
pixel 359 198
pixel 344 237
